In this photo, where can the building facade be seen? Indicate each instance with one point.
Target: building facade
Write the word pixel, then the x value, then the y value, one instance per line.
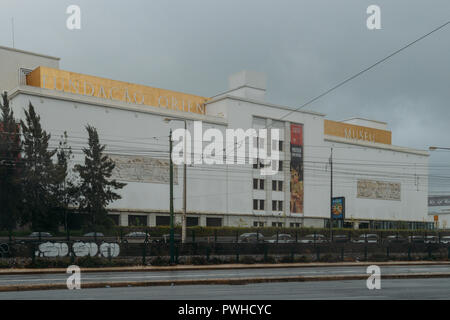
pixel 375 184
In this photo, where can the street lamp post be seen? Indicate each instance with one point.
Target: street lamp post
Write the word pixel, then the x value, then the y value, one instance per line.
pixel 172 260
pixel 184 215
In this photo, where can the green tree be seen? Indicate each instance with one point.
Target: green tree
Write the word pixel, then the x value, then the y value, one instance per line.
pixel 38 174
pixel 97 189
pixel 10 172
pixel 65 191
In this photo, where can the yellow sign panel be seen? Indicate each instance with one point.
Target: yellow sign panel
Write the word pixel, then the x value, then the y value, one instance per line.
pixel 76 83
pixel 356 133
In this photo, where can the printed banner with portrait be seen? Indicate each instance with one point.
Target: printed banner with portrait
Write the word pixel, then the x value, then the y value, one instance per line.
pixel 296 168
pixel 338 208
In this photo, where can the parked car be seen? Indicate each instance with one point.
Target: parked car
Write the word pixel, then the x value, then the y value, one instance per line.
pixel 38 234
pixel 314 238
pixel 445 240
pixel 94 234
pixel 395 239
pixel 282 238
pixel 341 238
pixel 416 239
pixel 136 237
pixel 431 239
pixel 367 238
pixel 251 237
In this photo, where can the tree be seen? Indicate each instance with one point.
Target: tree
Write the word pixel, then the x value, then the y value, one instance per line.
pixel 65 190
pixel 97 189
pixel 10 172
pixel 38 174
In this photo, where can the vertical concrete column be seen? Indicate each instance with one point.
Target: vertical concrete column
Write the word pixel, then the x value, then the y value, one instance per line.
pixel 151 220
pixel 123 219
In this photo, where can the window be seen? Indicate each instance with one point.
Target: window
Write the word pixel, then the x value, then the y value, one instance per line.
pixel 261 204
pixel 277 185
pixel 137 220
pixel 255 204
pixel 277 205
pixel 191 221
pixel 115 218
pixel 255 184
pixel 295 225
pixel 280 145
pixel 162 220
pixel 277 224
pixel 213 222
pixel 280 165
pixel 261 184
pixel 258 224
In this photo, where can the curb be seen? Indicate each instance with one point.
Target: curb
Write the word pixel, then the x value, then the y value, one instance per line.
pixel 221 267
pixel 231 281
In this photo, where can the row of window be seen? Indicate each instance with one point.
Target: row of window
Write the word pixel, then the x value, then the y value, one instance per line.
pixel 258 184
pixel 258 204
pixel 260 141
pixel 259 164
pixel 277 224
pixel 141 221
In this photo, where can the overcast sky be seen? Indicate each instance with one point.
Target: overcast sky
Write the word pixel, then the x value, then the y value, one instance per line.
pixel 304 47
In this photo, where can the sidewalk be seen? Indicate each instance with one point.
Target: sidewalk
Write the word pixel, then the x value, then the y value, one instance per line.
pixel 222 267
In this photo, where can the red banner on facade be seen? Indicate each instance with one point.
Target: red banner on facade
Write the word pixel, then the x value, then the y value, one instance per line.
pixel 296 168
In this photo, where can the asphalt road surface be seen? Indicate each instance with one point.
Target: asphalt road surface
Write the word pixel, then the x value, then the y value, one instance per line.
pixel 214 274
pixel 405 289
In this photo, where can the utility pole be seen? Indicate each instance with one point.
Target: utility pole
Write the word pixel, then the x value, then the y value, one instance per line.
pixel 184 215
pixel 172 249
pixel 183 218
pixel 331 195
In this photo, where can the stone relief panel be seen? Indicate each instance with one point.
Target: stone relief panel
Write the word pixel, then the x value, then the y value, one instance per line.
pixel 379 190
pixel 143 169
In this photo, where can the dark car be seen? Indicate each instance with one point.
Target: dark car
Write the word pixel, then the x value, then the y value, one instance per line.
pixel 416 239
pixel 431 239
pixel 251 237
pixel 38 234
pixel 341 238
pixel 94 234
pixel 367 238
pixel 395 239
pixel 314 238
pixel 282 238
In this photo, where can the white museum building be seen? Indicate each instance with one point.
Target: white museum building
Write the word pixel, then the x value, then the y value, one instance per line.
pixel 375 184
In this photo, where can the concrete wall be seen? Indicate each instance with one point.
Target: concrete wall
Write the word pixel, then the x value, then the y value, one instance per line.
pixel 11 60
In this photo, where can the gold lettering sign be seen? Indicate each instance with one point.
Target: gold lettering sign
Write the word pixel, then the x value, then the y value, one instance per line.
pixel 76 83
pixel 356 133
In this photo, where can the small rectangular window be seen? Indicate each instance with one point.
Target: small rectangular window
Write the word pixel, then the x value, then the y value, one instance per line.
pixel 255 204
pixel 255 184
pixel 261 184
pixel 280 145
pixel 261 204
pixel 274 205
pixel 280 205
pixel 280 165
pixel 280 185
pixel 274 185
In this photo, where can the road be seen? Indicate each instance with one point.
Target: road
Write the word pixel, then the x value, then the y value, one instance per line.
pixel 214 274
pixel 407 289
